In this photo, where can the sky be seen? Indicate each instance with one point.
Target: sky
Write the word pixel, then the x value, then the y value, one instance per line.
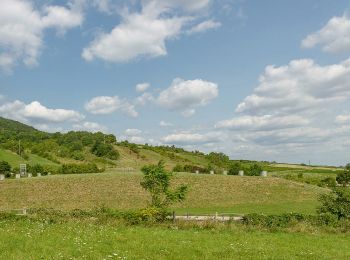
pixel 260 80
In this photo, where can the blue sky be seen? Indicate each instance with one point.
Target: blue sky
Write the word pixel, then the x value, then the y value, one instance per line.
pixel 266 80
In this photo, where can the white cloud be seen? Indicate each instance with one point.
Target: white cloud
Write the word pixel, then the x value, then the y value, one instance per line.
pixel 139 34
pixel 264 122
pixel 144 33
pixel 185 96
pixel 106 105
pixel 334 37
pixel 204 26
pixel 342 119
pixel 301 86
pixel 165 124
pixel 22 27
pixel 91 127
pixel 132 132
pixel 189 5
pixel 37 113
pixel 186 138
pixel 103 5
pixel 142 87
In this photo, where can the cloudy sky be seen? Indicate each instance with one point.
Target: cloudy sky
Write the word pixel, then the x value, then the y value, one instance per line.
pixel 265 80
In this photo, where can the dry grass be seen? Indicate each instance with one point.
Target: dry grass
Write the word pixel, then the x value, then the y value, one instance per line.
pixel 122 191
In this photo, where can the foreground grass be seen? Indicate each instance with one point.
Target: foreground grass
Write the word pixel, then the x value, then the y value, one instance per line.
pixel 24 239
pixel 207 193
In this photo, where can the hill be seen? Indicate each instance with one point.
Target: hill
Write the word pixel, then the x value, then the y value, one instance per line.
pixel 208 193
pixel 20 143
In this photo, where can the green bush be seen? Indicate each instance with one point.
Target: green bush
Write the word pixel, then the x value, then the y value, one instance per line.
pixel 5 168
pixel 336 203
pixel 234 168
pixel 79 168
pixel 254 170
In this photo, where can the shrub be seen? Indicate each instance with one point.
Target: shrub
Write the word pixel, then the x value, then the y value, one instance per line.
pixel 5 167
pixel 328 182
pixel 79 168
pixel 343 178
pixel 101 149
pixel 336 203
pixel 255 170
pixel 234 168
pixel 178 168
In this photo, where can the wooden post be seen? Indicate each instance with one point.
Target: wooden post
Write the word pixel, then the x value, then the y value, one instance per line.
pixel 174 217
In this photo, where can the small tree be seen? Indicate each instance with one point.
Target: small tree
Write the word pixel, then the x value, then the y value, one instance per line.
pixel 5 167
pixel 156 180
pixel 343 178
pixel 255 170
pixel 234 168
pixel 336 203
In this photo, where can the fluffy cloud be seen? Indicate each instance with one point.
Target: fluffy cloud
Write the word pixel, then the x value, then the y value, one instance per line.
pixel 165 124
pixel 300 86
pixel 266 122
pixel 334 37
pixel 37 113
pixel 293 107
pixel 132 132
pixel 186 138
pixel 106 105
pixel 342 119
pixel 90 126
pixel 139 34
pixel 204 26
pixel 22 27
pixel 142 87
pixel 185 96
pixel 145 33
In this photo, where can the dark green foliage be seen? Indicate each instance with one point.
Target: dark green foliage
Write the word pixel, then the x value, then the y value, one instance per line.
pixel 178 168
pixel 101 149
pixel 273 221
pixel 35 169
pixel 336 203
pixel 234 169
pixel 156 180
pixel 289 220
pixel 79 168
pixel 328 182
pixel 73 145
pixel 5 167
pixel 254 170
pixel 343 178
pixel 219 159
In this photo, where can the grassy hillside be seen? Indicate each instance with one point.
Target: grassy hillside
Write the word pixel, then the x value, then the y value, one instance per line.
pixel 14 159
pixel 208 193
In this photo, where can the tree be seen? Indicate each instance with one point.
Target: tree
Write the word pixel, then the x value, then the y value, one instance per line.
pixel 343 178
pixel 336 203
pixel 5 167
pixel 234 168
pixel 156 180
pixel 255 170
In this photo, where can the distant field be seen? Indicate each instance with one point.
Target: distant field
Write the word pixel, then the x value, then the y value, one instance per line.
pixel 24 239
pixel 208 193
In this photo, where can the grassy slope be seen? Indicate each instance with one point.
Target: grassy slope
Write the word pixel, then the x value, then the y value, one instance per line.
pixel 15 159
pixel 208 194
pixel 29 240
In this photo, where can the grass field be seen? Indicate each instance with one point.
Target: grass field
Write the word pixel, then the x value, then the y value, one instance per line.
pixel 15 160
pixel 207 193
pixel 24 239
